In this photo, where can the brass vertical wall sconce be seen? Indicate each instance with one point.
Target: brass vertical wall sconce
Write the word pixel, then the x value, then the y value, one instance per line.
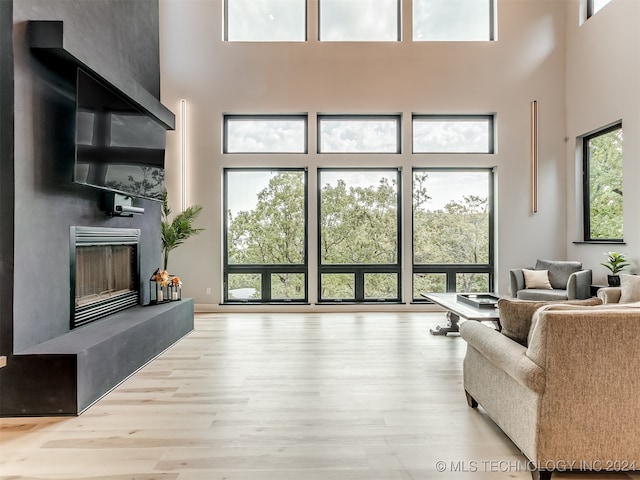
pixel 534 156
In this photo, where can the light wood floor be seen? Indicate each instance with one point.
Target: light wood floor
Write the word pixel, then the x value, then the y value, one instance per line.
pixel 282 397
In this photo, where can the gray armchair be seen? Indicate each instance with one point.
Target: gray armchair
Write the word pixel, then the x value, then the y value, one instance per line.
pixel 568 281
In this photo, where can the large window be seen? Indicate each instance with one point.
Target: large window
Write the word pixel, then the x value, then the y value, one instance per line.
pixel 452 134
pixel 359 209
pixel 359 133
pixel 452 230
pixel 602 185
pixel 359 237
pixel 265 134
pixel 265 20
pixel 361 20
pixel 265 235
pixel 453 20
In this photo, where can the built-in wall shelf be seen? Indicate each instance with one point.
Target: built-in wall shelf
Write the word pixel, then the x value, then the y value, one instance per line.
pixel 47 39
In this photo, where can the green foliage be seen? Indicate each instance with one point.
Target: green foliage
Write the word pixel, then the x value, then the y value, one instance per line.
pixel 455 234
pixel 241 281
pixel 458 233
pixel 272 233
pixel 359 225
pixel 380 285
pixel 615 262
pixel 429 282
pixel 177 231
pixel 605 186
pixel 338 285
pixel 287 286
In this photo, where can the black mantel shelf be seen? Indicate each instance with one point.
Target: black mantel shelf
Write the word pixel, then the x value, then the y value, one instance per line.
pixel 47 37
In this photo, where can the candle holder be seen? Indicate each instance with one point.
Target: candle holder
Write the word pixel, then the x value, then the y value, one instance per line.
pixel 159 287
pixel 175 293
pixel 175 289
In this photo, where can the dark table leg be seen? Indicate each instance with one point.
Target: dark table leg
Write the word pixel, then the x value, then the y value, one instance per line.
pixel 452 325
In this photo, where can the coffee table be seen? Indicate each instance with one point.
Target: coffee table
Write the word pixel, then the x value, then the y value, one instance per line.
pixel 457 310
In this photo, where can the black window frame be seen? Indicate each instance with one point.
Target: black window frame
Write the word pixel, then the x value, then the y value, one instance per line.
pixel 360 270
pixel 489 117
pixel 383 116
pixel 452 269
pixel 264 270
pixel 586 185
pixel 294 116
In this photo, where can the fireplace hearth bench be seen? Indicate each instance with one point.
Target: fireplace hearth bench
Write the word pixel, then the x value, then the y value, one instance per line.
pixel 67 374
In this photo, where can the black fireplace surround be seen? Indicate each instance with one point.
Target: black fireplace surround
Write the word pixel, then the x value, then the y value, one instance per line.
pixel 52 369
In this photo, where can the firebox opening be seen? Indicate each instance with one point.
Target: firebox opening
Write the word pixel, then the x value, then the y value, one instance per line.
pixel 104 272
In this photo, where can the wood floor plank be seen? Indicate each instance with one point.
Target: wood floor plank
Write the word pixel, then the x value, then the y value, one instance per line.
pixel 281 397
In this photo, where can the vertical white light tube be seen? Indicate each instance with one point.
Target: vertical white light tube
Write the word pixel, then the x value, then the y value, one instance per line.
pixel 534 156
pixel 183 151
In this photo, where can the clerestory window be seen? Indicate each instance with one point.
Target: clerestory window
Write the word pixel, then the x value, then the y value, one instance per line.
pixel 453 134
pixel 265 134
pixel 359 21
pixel 359 134
pixel 453 20
pixel 265 20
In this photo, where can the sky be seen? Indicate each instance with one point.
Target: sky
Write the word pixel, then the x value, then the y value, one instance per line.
pixel 375 135
pixel 266 136
pixel 433 136
pixel 358 20
pixel 368 136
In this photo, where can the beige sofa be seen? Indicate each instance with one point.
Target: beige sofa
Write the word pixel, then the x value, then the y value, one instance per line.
pixel 627 292
pixel 610 294
pixel 570 397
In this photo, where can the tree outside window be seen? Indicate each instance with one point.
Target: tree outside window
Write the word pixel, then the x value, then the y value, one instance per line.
pixel 359 211
pixel 602 188
pixel 452 231
pixel 266 256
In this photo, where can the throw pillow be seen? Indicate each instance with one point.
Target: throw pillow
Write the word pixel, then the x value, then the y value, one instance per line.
pixel 629 288
pixel 536 279
pixel 559 271
pixel 516 315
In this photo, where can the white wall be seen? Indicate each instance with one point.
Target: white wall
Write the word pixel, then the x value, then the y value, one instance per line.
pixel 603 86
pixel 503 77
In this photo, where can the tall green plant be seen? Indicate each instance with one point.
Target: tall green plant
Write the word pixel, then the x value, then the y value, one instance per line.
pixel 178 230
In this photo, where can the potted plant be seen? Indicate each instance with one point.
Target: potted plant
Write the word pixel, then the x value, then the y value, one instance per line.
pixel 178 230
pixel 616 263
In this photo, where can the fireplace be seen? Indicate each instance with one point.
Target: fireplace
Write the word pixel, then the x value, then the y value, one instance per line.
pixel 105 272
